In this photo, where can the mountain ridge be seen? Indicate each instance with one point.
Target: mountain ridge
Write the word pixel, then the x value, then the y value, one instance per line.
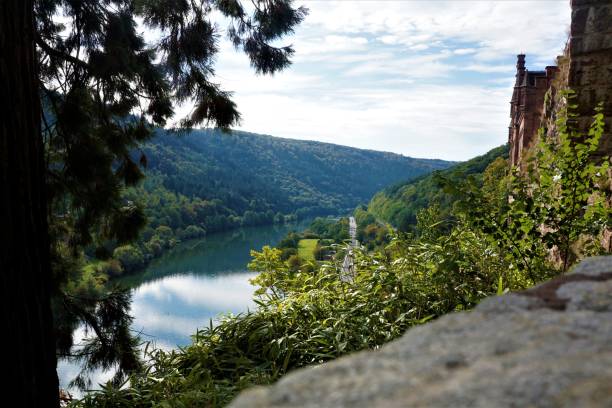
pixel 289 175
pixel 207 181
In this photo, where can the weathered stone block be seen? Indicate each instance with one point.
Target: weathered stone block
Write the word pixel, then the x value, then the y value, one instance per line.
pixel 579 20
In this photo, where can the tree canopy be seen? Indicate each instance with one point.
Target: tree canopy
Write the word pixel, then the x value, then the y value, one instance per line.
pixel 103 85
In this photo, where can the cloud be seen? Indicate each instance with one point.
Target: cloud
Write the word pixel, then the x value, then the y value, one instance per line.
pixel 464 51
pixel 414 66
pixel 488 68
pixel 498 27
pixel 450 122
pixel 421 78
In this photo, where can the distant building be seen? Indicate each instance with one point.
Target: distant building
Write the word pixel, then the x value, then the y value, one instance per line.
pixel 526 107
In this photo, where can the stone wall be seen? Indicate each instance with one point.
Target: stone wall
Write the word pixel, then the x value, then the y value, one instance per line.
pixel 550 346
pixel 590 61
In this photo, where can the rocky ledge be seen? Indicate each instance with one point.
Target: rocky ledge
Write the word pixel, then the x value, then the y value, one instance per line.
pixel 550 346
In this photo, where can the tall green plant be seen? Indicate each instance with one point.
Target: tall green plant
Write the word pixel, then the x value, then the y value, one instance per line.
pixel 567 178
pixel 556 204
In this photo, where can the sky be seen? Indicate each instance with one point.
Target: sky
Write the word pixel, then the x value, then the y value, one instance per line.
pixel 421 78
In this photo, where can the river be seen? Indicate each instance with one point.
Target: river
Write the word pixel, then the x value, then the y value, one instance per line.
pixel 189 286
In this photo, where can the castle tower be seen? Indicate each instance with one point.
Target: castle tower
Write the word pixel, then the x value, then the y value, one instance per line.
pixel 526 107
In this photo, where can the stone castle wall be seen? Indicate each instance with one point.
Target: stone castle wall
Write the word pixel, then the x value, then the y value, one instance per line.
pixel 590 62
pixel 526 107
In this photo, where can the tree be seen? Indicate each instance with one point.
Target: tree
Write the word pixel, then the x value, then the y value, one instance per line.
pixel 24 255
pixel 129 256
pixel 65 160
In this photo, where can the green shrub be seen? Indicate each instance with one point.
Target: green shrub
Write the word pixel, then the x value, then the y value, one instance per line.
pixel 130 257
pixel 111 268
pixel 556 205
pixel 288 252
pixel 191 232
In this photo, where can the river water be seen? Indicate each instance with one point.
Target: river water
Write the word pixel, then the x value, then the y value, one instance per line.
pixel 190 286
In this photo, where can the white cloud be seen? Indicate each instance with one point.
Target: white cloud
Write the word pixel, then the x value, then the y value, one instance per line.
pixel 464 51
pixel 419 47
pixel 417 66
pixel 422 78
pixel 488 68
pixel 498 26
pixel 450 122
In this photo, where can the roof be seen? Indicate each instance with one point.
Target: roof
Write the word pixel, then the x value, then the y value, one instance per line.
pixel 530 77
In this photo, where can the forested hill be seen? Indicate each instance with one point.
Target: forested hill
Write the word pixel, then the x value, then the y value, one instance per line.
pixel 249 172
pixel 400 203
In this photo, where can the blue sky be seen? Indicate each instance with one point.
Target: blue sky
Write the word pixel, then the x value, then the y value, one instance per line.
pixel 421 78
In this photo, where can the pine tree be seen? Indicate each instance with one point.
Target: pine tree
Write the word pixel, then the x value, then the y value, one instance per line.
pixel 84 88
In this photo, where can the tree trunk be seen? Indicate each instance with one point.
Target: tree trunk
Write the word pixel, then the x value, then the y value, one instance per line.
pixel 25 270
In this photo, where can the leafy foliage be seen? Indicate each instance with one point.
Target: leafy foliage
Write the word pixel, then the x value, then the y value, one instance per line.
pixel 330 229
pixel 309 315
pixel 371 233
pixel 103 87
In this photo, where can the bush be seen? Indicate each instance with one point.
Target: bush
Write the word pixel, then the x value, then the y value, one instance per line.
pixel 130 257
pixel 155 246
pixel 287 252
pixel 308 315
pixel 191 232
pixel 111 268
pixel 294 262
pixel 164 233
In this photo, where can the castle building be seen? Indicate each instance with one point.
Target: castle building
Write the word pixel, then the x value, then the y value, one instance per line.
pixel 526 107
pixel 586 68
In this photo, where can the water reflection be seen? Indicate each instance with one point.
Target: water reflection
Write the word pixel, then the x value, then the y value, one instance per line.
pixel 172 308
pixel 190 286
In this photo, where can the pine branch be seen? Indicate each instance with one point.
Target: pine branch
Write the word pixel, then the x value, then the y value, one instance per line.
pixel 60 54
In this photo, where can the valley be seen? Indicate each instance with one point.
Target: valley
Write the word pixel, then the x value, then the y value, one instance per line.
pixel 204 200
pixel 207 181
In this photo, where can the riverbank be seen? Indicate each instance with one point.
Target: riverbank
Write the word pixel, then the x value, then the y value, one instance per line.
pixel 135 257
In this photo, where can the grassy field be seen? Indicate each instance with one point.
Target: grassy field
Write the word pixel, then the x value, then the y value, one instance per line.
pixel 306 248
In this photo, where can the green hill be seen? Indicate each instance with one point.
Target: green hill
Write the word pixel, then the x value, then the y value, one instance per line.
pixel 400 203
pixel 248 178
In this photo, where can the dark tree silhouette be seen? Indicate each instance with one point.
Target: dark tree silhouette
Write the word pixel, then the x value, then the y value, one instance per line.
pixel 24 252
pixel 84 88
